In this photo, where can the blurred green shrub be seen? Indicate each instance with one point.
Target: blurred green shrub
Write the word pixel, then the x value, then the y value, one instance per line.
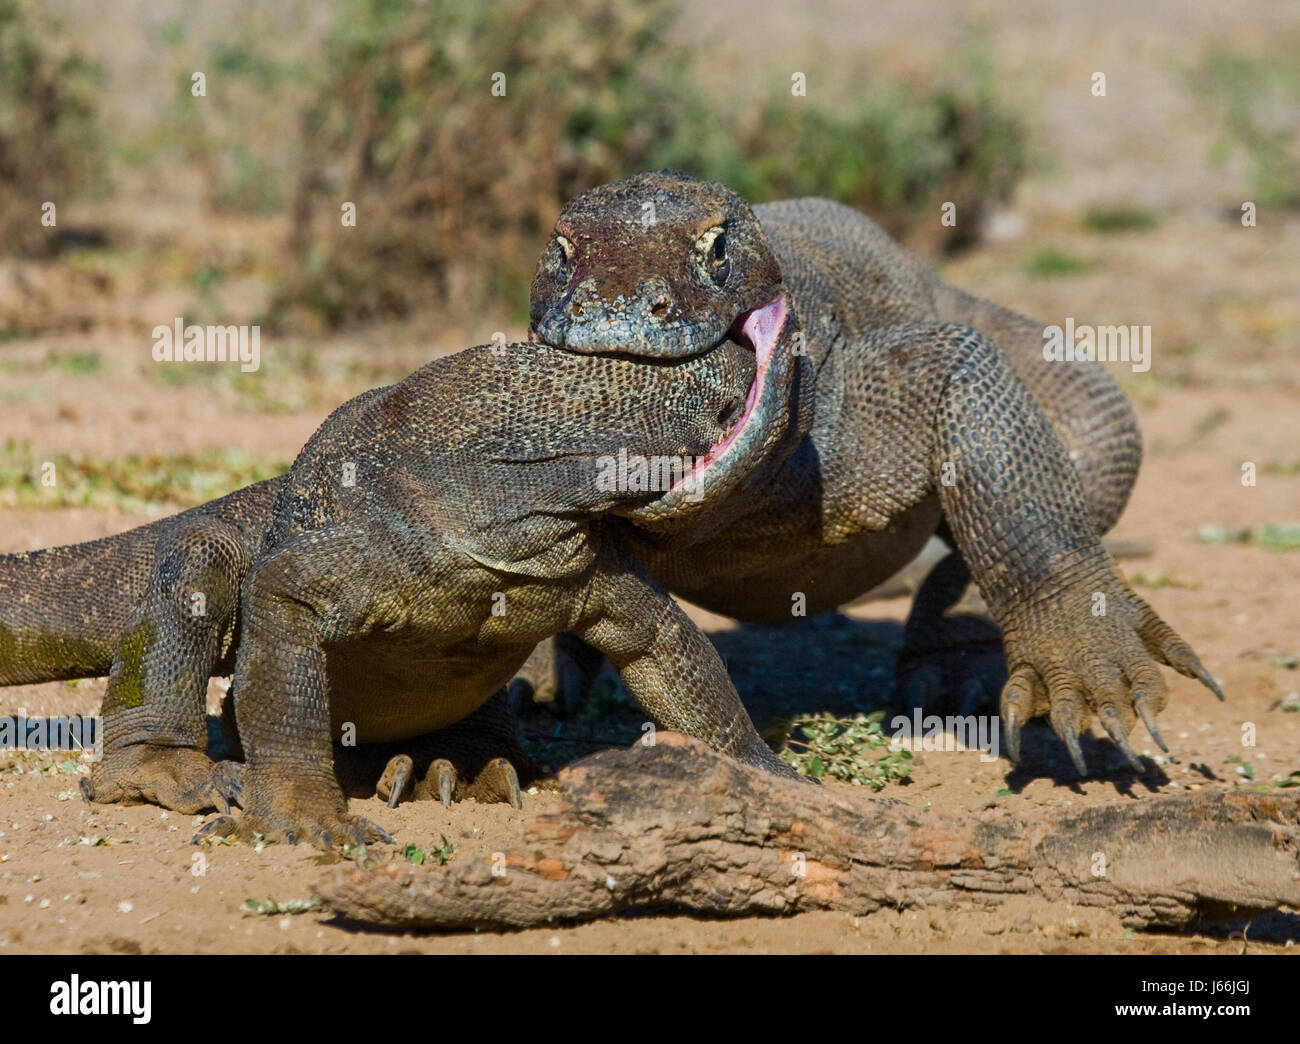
pixel 896 152
pixel 50 141
pixel 1119 217
pixel 389 105
pixel 1256 101
pixel 455 187
pixel 237 136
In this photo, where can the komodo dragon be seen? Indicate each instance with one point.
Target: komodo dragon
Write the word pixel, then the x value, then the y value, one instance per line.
pixel 428 536
pixel 916 409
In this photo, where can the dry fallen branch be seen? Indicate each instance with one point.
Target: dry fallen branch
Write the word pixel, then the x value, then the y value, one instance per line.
pixel 676 826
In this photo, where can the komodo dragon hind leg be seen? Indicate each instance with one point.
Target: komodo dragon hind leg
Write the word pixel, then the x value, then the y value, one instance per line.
pixel 559 674
pixel 478 757
pixel 290 602
pixel 948 664
pixel 155 726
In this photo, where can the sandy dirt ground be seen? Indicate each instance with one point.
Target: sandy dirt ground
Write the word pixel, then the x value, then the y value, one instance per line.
pixel 1224 389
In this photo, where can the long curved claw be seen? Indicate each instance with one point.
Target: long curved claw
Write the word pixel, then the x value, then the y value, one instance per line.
pixel 1164 643
pixel 1142 705
pixel 219 800
pixel 395 779
pixel 372 833
pixel 1071 740
pixel 228 781
pixel 1012 725
pixel 1017 706
pixel 441 779
pixel 1067 715
pixel 498 782
pixel 1178 654
pixel 1111 723
pixel 1202 675
pixel 218 826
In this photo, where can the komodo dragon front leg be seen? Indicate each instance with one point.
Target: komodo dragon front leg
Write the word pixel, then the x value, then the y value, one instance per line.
pixel 1078 640
pixel 669 666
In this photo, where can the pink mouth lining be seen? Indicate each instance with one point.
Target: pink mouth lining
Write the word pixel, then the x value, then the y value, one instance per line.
pixel 761 327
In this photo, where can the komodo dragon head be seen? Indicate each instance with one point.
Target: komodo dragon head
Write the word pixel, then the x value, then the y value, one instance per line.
pixel 665 265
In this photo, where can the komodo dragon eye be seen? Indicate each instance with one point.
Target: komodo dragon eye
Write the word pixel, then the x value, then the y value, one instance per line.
pixel 712 251
pixel 563 259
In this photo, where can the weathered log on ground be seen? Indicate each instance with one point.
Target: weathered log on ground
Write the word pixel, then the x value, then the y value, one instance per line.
pixel 675 826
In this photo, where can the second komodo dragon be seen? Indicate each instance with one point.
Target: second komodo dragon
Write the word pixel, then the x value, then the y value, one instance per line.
pixel 916 409
pixel 428 536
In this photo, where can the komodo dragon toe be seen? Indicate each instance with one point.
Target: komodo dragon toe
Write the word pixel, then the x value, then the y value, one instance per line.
pixel 496 782
pixel 179 778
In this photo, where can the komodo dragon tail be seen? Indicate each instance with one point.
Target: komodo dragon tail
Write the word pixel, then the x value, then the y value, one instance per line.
pixel 63 609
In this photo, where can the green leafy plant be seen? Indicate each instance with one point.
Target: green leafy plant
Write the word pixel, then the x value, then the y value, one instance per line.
pixel 1244 768
pixel 823 745
pixel 438 856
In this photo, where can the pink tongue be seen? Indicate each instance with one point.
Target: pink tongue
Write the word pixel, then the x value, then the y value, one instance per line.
pixel 763 324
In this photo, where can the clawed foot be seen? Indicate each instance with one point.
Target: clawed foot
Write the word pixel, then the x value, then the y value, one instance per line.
pixel 298 813
pixel 956 667
pixel 496 782
pixel 180 778
pixel 1070 665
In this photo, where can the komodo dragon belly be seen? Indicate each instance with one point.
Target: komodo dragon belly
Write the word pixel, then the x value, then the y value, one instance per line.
pixel 391 686
pixel 757 570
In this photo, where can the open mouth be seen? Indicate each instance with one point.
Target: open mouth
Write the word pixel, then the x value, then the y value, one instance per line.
pixel 760 329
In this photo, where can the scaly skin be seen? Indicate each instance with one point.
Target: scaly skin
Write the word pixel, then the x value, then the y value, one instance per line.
pixel 426 539
pixel 917 410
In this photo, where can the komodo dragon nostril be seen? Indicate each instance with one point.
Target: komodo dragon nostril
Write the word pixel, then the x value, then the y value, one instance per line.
pixel 660 308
